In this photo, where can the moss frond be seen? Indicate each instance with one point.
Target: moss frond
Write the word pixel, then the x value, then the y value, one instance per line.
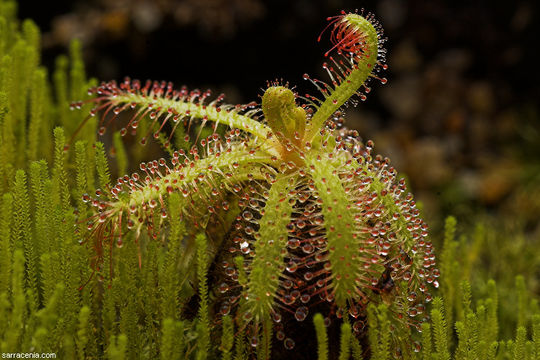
pixel 22 232
pixel 203 326
pixel 117 347
pixel 440 335
pixel 6 244
pixel 227 337
pixel 102 166
pixel 83 332
pixel 345 343
pixel 15 322
pixel 120 154
pixel 38 116
pixel 172 340
pixel 322 337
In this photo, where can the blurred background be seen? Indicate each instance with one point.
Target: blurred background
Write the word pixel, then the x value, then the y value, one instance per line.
pixel 459 115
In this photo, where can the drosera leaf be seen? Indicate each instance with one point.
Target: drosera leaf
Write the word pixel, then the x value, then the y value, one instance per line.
pixel 164 105
pixel 357 41
pixel 342 242
pixel 136 202
pixel 267 265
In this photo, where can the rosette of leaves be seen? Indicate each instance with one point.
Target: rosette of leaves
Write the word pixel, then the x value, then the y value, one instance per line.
pixel 320 222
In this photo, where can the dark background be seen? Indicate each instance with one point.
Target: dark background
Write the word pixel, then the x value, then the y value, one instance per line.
pixel 459 115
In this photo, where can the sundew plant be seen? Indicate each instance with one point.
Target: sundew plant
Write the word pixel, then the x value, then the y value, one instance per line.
pixel 320 219
pixel 268 231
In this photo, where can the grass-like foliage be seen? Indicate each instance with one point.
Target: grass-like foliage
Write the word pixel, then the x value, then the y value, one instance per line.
pixel 270 232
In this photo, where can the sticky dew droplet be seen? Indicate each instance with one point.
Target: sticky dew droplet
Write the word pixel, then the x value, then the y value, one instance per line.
pixel 301 313
pixel 289 343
